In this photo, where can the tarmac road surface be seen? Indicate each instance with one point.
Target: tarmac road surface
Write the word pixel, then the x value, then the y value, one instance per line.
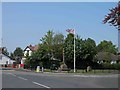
pixel 19 79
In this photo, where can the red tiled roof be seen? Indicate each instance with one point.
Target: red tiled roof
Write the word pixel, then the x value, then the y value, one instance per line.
pixel 33 48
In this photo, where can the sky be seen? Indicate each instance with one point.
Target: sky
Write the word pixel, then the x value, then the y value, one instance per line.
pixel 26 23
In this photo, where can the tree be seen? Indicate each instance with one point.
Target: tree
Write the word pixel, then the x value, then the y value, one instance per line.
pixel 12 56
pixel 88 52
pixel 69 50
pixel 47 40
pixel 18 53
pixel 52 47
pixel 78 52
pixel 85 51
pixel 106 46
pixel 113 18
pixel 58 42
pixel 58 39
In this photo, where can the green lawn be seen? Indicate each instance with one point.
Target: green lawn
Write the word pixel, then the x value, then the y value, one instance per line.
pixel 81 71
pixel 97 71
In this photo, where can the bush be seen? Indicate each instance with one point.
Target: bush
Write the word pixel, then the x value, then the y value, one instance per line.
pixel 111 66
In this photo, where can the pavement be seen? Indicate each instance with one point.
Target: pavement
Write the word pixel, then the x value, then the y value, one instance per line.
pixel 20 79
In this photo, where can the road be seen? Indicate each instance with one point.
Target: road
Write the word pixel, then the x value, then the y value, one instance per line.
pixel 18 79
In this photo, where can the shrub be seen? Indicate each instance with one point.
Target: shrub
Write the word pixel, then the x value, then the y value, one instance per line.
pixel 111 66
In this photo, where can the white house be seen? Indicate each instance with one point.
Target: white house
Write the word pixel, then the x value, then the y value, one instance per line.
pixel 5 60
pixel 29 49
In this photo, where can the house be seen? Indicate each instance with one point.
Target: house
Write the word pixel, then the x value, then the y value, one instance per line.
pixel 114 59
pixel 118 58
pixel 5 60
pixel 28 51
pixel 108 57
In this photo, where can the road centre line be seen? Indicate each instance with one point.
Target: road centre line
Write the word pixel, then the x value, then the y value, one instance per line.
pixel 41 85
pixel 22 78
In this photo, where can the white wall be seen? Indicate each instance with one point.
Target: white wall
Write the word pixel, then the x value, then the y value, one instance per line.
pixel 6 59
pixel 27 51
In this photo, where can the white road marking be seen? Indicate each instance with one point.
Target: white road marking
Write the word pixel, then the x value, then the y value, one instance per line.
pixel 12 74
pixel 9 73
pixel 8 70
pixel 22 78
pixel 96 76
pixel 41 85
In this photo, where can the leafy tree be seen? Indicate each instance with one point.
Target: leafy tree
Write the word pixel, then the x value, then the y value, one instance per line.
pixel 58 41
pixel 18 53
pixel 85 51
pixel 89 49
pixel 47 40
pixel 88 52
pixel 69 50
pixel 44 54
pixel 51 47
pixel 78 52
pixel 113 18
pixel 106 46
pixel 40 57
pixel 12 56
pixel 27 61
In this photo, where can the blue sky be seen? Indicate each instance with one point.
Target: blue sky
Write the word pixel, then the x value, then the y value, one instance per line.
pixel 25 23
